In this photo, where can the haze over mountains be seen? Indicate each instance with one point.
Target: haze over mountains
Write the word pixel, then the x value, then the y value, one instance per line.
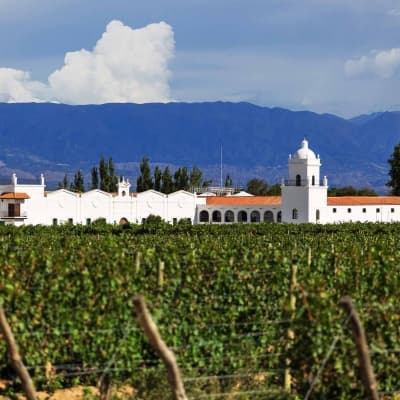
pixel 56 139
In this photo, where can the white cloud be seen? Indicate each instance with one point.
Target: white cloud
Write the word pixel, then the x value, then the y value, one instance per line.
pixel 394 12
pixel 16 86
pixel 126 65
pixel 384 64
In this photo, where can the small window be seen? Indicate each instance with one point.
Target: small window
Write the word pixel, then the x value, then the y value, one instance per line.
pixel 123 193
pixel 70 220
pixel 295 213
pixel 313 180
pixel 279 217
pixel 298 180
pixel 334 210
pixel 55 221
pixel 317 215
pixel 378 210
pixel 174 221
pixel 364 210
pixel 88 221
pixel 392 210
pixel 349 210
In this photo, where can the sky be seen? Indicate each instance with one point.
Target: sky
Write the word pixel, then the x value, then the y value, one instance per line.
pixel 327 56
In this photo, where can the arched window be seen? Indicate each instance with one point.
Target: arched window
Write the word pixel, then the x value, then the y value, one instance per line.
pixel 204 216
pixel 242 216
pixel 313 180
pixel 255 216
pixel 298 180
pixel 317 215
pixel 216 216
pixel 268 216
pixel 229 216
pixel 295 213
pixel 279 217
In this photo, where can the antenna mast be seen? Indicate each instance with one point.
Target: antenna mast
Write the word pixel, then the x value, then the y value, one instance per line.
pixel 221 168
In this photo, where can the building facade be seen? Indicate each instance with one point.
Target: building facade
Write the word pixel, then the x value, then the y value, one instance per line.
pixel 304 200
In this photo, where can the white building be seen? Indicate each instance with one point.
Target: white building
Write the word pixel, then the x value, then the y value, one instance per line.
pixel 304 200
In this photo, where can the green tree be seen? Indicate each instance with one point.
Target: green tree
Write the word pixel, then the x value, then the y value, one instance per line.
pixel 78 184
pixel 95 178
pixel 258 187
pixel 157 178
pixel 64 183
pixel 394 171
pixel 167 184
pixel 274 190
pixel 181 179
pixel 112 178
pixel 144 180
pixel 350 191
pixel 228 181
pixel 195 177
pixel 103 172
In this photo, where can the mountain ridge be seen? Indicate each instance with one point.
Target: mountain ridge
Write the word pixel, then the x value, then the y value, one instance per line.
pixel 59 138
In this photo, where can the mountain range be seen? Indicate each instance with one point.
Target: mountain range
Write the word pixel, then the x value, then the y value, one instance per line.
pixel 56 139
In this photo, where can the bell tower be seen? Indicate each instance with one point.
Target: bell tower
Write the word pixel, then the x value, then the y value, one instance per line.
pixel 123 187
pixel 304 196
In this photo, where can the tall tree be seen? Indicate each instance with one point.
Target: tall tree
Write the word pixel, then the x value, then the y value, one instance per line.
pixel 167 184
pixel 195 177
pixel 157 178
pixel 64 183
pixel 228 181
pixel 103 172
pixel 181 179
pixel 257 187
pixel 112 178
pixel 78 184
pixel 394 171
pixel 95 178
pixel 144 180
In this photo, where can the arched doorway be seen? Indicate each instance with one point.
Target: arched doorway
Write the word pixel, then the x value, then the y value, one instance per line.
pixel 216 216
pixel 204 217
pixel 229 216
pixel 268 216
pixel 242 216
pixel 255 216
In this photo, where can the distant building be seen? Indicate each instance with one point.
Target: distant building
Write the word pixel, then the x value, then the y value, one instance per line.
pixel 304 200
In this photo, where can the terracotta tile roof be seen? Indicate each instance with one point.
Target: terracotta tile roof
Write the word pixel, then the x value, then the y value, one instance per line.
pixel 245 200
pixel 362 200
pixel 14 196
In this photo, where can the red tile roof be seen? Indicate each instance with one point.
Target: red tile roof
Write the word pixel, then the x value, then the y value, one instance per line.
pixel 244 200
pixel 14 196
pixel 362 200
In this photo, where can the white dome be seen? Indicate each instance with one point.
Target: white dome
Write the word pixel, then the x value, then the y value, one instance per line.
pixel 304 152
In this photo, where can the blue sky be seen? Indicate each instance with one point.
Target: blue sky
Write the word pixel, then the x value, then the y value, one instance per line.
pixel 336 56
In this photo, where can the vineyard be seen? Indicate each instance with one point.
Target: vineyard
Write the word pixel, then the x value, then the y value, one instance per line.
pixel 220 297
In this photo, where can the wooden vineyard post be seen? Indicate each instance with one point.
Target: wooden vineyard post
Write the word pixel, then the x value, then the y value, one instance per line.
pixel 168 357
pixel 364 359
pixel 137 261
pixel 161 266
pixel 287 379
pixel 15 358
